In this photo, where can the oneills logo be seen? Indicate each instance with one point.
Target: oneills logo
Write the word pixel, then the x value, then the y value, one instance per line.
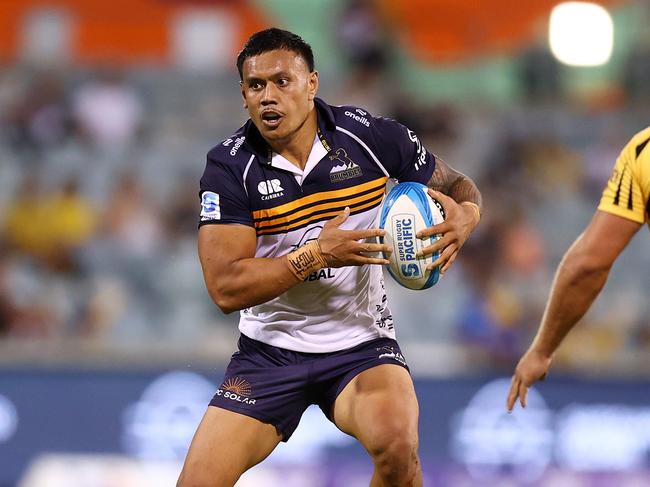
pixel 236 389
pixel 362 120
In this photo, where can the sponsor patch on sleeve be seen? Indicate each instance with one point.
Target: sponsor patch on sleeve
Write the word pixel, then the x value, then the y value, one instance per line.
pixel 420 150
pixel 210 209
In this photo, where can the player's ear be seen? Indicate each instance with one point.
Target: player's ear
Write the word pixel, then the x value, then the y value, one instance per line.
pixel 313 85
pixel 243 95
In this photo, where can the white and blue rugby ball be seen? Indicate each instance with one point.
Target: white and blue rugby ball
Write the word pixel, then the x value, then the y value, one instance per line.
pixel 406 210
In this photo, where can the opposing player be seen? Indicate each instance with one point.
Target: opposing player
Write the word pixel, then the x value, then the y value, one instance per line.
pixel 289 204
pixel 584 269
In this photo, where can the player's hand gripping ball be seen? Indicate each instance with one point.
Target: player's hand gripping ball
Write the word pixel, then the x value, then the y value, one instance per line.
pixel 406 210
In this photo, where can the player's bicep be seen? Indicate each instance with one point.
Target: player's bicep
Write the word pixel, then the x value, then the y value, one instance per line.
pixel 221 246
pixel 606 237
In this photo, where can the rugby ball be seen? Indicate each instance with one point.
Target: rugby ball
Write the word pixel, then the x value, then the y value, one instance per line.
pixel 406 210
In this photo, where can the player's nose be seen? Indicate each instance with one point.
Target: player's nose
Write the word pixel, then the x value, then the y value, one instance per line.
pixel 269 94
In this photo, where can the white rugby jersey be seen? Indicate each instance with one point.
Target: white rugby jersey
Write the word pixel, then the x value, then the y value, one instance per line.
pixel 355 154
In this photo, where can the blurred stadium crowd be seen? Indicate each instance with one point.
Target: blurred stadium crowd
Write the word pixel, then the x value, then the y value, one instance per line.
pixel 99 172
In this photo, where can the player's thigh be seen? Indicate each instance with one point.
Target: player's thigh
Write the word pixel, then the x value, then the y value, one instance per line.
pixel 224 446
pixel 377 405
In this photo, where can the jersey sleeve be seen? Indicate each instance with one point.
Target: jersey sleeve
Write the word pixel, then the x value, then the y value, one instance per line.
pixel 402 153
pixel 628 187
pixel 223 196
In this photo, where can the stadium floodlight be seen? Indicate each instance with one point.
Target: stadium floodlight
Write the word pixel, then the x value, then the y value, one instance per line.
pixel 581 34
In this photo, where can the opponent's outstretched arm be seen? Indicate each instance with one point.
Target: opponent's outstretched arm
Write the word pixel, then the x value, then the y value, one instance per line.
pixel 462 202
pixel 581 275
pixel 236 279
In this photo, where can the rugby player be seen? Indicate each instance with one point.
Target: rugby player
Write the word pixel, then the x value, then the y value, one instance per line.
pixel 583 271
pixel 289 205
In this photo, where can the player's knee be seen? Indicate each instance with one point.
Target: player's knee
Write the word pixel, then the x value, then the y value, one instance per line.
pixel 395 454
pixel 399 451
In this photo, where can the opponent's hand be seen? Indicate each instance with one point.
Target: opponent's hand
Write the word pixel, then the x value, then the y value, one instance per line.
pixel 347 247
pixel 459 222
pixel 532 367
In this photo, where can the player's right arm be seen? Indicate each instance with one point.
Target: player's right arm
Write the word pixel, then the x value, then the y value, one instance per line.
pixel 578 281
pixel 586 265
pixel 236 279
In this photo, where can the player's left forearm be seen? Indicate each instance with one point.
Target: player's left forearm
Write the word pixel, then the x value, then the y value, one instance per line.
pixel 463 189
pixel 454 184
pixel 464 192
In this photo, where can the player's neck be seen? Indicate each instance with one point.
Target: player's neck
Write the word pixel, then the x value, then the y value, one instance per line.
pixel 297 148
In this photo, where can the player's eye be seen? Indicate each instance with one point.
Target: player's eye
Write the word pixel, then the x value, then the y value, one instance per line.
pixel 256 86
pixel 283 82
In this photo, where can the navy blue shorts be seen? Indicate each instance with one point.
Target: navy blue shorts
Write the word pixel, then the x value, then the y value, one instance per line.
pixel 275 385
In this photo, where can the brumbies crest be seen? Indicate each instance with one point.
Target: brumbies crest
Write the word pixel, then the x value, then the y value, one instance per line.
pixel 346 169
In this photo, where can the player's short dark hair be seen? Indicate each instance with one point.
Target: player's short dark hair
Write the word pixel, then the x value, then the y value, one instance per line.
pixel 272 39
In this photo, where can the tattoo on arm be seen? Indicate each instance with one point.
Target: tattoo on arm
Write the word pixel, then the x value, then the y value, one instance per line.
pixel 454 184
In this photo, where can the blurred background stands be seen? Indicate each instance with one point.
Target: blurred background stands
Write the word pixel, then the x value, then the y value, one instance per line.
pixel 101 151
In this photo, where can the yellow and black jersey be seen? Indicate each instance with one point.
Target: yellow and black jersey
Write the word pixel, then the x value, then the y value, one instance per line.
pixel 627 193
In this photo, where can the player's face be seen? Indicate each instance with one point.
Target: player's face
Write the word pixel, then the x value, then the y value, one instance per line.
pixel 278 91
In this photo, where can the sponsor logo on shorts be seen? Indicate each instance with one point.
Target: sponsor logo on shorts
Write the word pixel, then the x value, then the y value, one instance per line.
pixel 237 389
pixel 391 352
pixel 347 168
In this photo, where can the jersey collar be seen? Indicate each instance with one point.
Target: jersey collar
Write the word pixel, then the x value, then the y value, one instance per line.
pixel 317 153
pixel 326 126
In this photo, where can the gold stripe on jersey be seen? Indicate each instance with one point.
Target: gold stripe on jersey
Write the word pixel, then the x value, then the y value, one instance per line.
pixel 335 210
pixel 628 188
pixel 278 211
pixel 320 207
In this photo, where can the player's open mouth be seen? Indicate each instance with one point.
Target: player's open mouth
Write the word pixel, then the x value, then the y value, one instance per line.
pixel 271 119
